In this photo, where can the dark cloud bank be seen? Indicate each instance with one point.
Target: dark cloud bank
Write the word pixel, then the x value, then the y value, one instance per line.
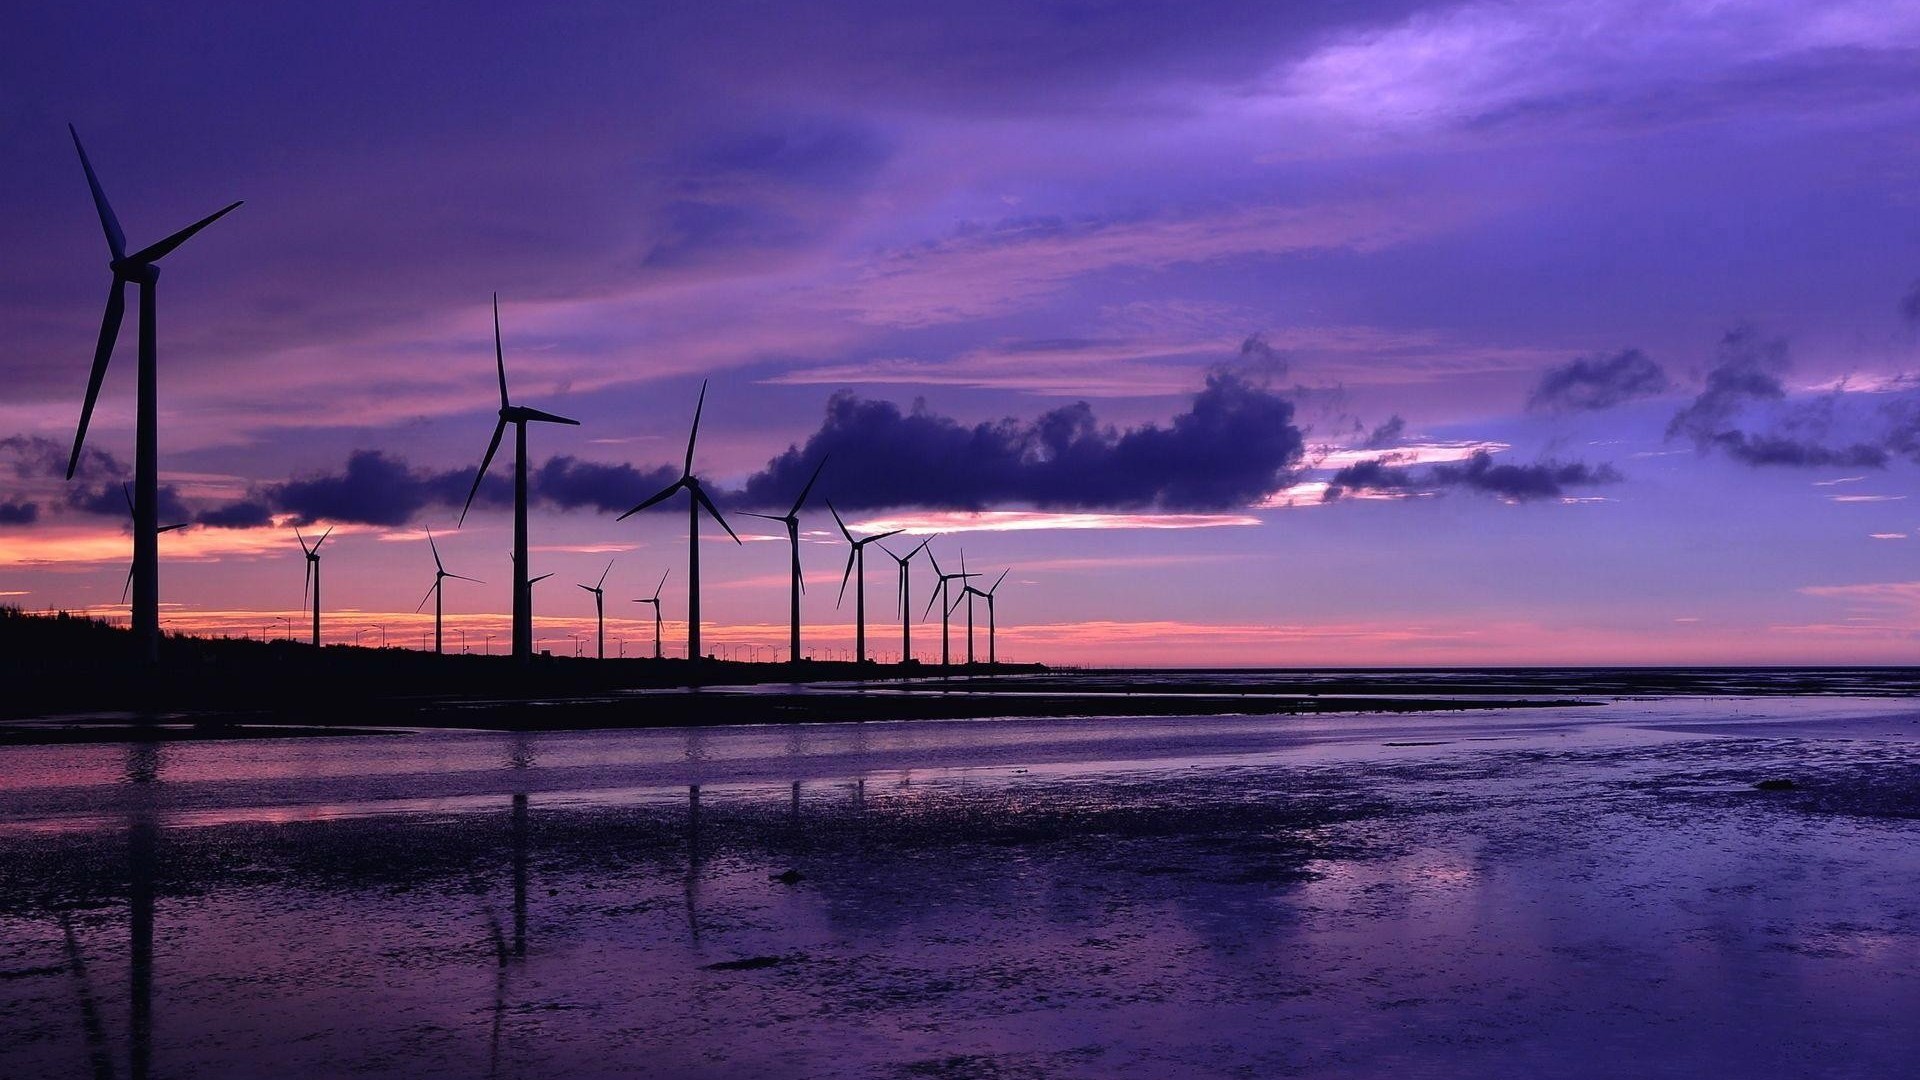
pixel 1591 383
pixel 1479 474
pixel 1235 443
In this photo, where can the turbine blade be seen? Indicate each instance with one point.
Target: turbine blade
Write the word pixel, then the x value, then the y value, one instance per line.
pixel 837 521
pixel 687 469
pixel 431 546
pixel 793 538
pixel 998 580
pixel 535 581
pixel 499 429
pixel 603 576
pixel 116 240
pixel 662 585
pixel 931 600
pixel 124 589
pixel 102 352
pixel 323 538
pixel 306 585
pixel 749 513
pixel 663 494
pixel 302 539
pixel 429 596
pixel 499 355
pixel 882 536
pixel 127 493
pixel 922 547
pixel 844 575
pixel 935 560
pixel 171 528
pixel 802 500
pixel 154 252
pixel 589 588
pixel 459 577
pixel 714 512
pixel 547 417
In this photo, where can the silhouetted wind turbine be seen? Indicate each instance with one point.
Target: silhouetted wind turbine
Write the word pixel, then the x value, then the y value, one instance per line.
pixel 313 576
pixel 141 268
pixel 993 654
pixel 655 601
pixel 901 596
pixel 164 528
pixel 940 594
pixel 856 558
pixel 791 519
pixel 696 501
pixel 439 575
pixel 598 589
pixel 519 416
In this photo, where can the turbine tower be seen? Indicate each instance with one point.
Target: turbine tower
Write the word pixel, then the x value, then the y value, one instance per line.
pixel 313 576
pixel 519 416
pixel 940 595
pixel 139 268
pixel 901 598
pixel 128 493
pixel 439 575
pixel 598 589
pixel 791 519
pixel 856 557
pixel 697 500
pixel 993 654
pixel 655 601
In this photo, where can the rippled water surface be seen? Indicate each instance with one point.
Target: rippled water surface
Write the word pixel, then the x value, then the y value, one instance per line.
pixel 1594 891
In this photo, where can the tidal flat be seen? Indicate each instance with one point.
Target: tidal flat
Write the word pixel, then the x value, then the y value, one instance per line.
pixel 1600 890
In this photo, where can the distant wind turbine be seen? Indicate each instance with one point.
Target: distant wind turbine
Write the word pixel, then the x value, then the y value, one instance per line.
pixel 313 576
pixel 440 575
pixel 655 601
pixel 791 519
pixel 856 559
pixel 519 416
pixel 902 596
pixel 598 589
pixel 697 500
pixel 138 268
pixel 993 654
pixel 946 608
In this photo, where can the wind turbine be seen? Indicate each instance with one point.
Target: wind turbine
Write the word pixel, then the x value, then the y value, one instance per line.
pixel 696 501
pixel 598 589
pixel 901 599
pixel 940 594
pixel 313 576
pixel 655 601
pixel 856 557
pixel 138 268
pixel 439 575
pixel 164 528
pixel 519 416
pixel 791 519
pixel 993 655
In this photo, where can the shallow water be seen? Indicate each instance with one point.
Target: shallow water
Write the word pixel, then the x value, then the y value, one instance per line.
pixel 1585 892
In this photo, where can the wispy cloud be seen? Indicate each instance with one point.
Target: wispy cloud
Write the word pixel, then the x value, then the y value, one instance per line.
pixel 920 523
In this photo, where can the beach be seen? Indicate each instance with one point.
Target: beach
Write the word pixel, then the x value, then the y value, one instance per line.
pixel 1629 886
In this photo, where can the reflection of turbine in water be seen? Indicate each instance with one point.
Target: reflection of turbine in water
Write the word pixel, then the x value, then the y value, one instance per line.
pixel 521 758
pixel 95 1031
pixel 693 861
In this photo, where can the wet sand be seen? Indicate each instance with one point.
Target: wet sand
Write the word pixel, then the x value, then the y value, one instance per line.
pixel 1583 891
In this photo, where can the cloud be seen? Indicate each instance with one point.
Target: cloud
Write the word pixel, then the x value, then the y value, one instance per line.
pixel 1910 306
pixel 19 513
pixel 1235 443
pixel 40 465
pixel 569 483
pixel 245 514
pixel 1747 375
pixel 1592 383
pixel 1391 433
pixel 1478 473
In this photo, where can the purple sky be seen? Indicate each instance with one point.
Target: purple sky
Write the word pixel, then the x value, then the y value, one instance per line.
pixel 1638 281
